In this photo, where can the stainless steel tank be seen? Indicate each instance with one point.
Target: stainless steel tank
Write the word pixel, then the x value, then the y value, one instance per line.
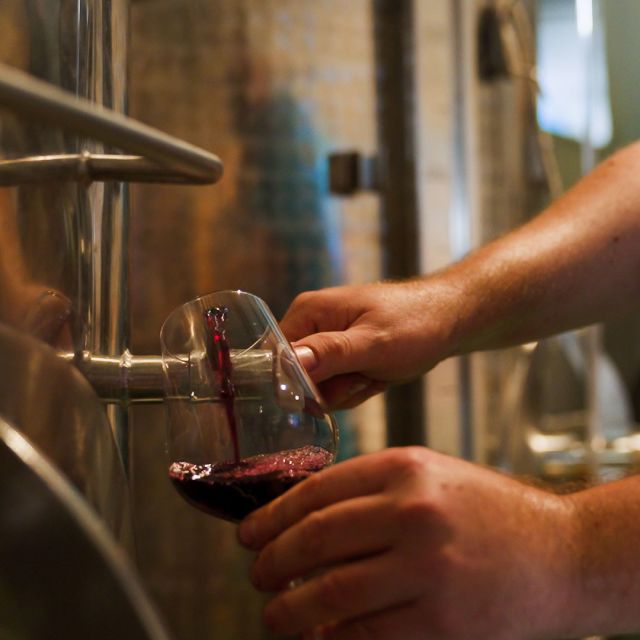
pixel 67 548
pixel 64 509
pixel 62 263
pixel 274 89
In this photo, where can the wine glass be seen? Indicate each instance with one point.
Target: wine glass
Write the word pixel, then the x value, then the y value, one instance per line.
pixel 245 422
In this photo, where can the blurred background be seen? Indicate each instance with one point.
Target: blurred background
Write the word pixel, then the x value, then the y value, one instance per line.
pixel 361 140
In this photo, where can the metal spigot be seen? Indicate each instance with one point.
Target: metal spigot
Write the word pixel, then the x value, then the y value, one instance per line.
pixel 131 379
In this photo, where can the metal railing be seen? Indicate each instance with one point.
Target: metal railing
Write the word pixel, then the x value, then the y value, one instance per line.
pixel 160 157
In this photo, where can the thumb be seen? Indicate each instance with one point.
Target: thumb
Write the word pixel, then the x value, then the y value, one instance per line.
pixel 333 353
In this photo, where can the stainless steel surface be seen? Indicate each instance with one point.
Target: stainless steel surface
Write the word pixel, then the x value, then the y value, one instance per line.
pixel 63 279
pixel 61 573
pixel 88 167
pixel 54 406
pixel 461 222
pixel 32 98
pixel 131 379
pixel 64 258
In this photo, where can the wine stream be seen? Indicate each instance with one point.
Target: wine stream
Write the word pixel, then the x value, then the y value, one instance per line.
pixel 220 358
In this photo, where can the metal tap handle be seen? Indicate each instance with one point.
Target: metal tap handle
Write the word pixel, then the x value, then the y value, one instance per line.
pixel 42 101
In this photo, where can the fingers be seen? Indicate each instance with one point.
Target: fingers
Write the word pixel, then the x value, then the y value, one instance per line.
pixel 340 594
pixel 349 390
pixel 334 336
pixel 346 530
pixel 315 311
pixel 338 352
pixel 307 357
pixel 342 391
pixel 354 478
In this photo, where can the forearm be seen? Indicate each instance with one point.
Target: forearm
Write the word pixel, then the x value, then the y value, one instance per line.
pixel 576 263
pixel 606 591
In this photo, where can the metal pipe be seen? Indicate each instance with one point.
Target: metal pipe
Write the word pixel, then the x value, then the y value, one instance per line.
pixel 44 102
pixel 461 219
pixel 130 379
pixel 90 167
pixel 396 120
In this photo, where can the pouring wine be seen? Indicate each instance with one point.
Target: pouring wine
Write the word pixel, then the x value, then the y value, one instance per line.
pixel 245 421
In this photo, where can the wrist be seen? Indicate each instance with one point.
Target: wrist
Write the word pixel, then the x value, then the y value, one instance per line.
pixel 431 328
pixel 459 310
pixel 605 566
pixel 502 296
pixel 552 548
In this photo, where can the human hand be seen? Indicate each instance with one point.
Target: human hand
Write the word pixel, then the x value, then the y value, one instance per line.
pixel 355 340
pixel 411 544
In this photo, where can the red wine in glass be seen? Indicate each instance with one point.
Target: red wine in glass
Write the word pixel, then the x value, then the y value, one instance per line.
pixel 232 490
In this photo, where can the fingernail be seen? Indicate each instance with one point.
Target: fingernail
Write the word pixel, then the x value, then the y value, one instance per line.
pixel 307 357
